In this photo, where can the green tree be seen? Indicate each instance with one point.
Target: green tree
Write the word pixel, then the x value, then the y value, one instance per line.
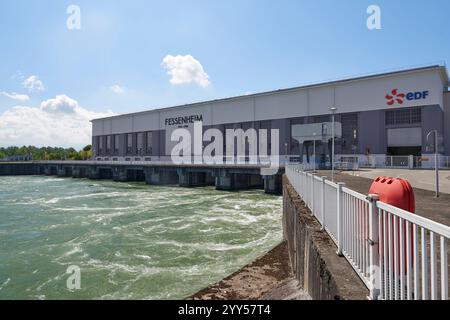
pixel 47 153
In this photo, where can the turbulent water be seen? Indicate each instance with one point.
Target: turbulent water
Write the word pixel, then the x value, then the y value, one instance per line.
pixel 130 240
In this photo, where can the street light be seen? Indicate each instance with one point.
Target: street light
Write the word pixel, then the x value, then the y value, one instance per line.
pixel 333 112
pixel 436 158
pixel 286 152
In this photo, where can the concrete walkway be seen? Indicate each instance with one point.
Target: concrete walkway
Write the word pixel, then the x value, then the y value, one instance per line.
pixel 423 179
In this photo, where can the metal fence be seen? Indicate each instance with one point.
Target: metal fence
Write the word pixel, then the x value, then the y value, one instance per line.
pixel 397 254
pixel 394 162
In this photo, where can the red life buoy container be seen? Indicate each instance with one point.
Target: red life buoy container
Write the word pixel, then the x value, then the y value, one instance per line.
pixel 398 193
pixel 394 191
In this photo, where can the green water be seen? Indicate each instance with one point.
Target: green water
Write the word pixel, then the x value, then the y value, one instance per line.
pixel 130 240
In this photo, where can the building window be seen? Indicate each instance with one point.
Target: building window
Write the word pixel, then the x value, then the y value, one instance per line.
pixel 116 143
pixel 129 143
pixel 404 116
pixel 321 119
pixel 349 132
pixel 100 144
pixel 140 142
pixel 95 146
pixel 390 118
pixel 108 144
pixel 149 146
pixel 416 115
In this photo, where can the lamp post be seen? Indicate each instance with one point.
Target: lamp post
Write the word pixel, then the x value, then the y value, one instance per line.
pixel 314 152
pixel 436 158
pixel 333 112
pixel 286 152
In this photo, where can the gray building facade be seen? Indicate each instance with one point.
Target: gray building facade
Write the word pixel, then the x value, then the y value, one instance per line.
pixel 383 114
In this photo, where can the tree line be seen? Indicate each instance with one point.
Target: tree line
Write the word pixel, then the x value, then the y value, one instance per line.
pixel 47 153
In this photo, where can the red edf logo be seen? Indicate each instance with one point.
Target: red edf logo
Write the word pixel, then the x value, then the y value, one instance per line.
pixel 394 97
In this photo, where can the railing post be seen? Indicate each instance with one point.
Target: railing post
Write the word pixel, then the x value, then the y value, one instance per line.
pixel 374 259
pixel 339 218
pixel 322 201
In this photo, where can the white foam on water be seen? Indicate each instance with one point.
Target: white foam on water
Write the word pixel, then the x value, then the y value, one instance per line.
pixel 52 201
pixel 4 284
pixel 75 249
pixel 142 256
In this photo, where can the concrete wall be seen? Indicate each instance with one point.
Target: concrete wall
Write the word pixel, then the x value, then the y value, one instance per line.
pixel 16 169
pixel 320 271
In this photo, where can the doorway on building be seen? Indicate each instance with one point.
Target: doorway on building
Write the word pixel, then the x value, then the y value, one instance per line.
pixel 404 151
pixel 401 156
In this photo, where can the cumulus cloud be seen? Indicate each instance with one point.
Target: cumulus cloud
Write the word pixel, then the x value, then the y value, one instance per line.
pixel 117 89
pixel 56 122
pixel 33 83
pixel 185 69
pixel 60 104
pixel 15 96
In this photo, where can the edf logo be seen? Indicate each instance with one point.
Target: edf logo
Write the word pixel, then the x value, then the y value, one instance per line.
pixel 397 97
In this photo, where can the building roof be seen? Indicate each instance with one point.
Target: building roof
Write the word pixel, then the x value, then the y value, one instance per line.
pixel 441 68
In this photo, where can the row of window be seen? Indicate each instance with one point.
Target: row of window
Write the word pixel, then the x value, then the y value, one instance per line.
pixel 142 142
pixel 404 116
pixel 136 143
pixel 349 140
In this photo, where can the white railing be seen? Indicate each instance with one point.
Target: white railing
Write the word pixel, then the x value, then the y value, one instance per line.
pixel 259 161
pixel 397 254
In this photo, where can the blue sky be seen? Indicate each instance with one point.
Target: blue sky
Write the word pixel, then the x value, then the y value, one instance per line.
pixel 243 46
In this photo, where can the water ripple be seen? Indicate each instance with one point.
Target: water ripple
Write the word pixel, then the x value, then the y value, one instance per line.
pixel 131 241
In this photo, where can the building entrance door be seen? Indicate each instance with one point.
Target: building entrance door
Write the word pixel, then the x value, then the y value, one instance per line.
pixel 404 151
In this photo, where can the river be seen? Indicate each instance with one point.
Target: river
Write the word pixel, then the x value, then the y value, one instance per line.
pixel 129 240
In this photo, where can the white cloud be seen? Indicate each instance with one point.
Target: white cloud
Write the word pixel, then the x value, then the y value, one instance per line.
pixel 60 104
pixel 33 83
pixel 16 96
pixel 117 89
pixel 56 122
pixel 185 69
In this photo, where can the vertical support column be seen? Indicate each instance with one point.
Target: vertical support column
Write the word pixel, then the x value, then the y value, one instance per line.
pixel 411 162
pixel 313 205
pixel 433 266
pixel 444 270
pixel 339 206
pixel 374 259
pixel 322 200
